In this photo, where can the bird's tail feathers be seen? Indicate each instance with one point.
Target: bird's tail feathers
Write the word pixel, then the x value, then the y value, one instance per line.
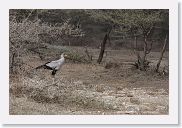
pixel 41 66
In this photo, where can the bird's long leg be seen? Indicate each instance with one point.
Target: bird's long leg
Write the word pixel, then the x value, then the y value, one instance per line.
pixel 53 74
pixel 53 79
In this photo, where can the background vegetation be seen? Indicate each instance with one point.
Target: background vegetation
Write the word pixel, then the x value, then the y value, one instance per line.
pixel 121 51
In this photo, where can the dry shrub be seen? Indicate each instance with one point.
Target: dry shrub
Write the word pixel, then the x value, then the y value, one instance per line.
pixel 25 31
pixel 111 65
pixel 27 35
pixel 30 31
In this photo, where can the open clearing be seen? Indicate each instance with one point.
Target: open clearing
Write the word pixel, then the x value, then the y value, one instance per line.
pixel 91 88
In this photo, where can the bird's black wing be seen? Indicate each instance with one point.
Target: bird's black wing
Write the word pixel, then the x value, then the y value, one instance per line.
pixel 45 66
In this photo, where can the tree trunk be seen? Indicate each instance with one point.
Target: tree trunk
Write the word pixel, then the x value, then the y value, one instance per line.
pixel 137 53
pixel 143 59
pixel 88 55
pixel 103 44
pixel 142 62
pixel 162 53
pixel 12 63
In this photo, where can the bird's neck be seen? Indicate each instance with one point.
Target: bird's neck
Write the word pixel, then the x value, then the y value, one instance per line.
pixel 62 58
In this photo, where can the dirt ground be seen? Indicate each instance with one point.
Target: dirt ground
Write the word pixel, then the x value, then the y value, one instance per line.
pixel 81 89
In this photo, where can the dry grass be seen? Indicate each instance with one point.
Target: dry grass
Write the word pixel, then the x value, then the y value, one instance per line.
pixel 89 89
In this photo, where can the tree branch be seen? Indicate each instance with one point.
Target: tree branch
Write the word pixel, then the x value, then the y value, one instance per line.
pixel 150 30
pixel 29 15
pixel 149 50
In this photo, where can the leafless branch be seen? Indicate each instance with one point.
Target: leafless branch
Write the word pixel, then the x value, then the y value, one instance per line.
pixel 150 30
pixel 87 53
pixel 149 50
pixel 29 15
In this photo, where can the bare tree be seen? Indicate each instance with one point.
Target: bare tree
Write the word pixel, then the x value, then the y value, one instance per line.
pixel 142 62
pixel 162 53
pixel 103 44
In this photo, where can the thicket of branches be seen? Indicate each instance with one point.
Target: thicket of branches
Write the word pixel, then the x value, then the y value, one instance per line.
pixel 30 29
pixel 135 24
pixel 28 32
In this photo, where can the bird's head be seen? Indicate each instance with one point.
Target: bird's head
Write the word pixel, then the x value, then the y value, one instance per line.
pixel 63 55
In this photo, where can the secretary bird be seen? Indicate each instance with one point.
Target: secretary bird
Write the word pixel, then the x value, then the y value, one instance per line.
pixel 54 65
